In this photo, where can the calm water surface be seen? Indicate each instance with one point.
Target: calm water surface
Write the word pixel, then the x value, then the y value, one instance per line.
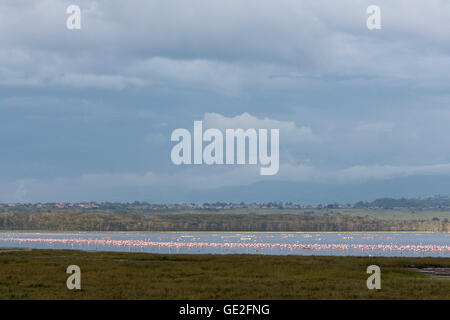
pixel 314 243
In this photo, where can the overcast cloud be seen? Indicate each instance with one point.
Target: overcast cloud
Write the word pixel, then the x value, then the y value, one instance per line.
pixel 87 114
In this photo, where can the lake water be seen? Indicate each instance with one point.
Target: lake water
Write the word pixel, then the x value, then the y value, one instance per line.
pixel 289 243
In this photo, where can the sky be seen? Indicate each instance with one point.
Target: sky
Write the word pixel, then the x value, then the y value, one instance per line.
pixel 87 115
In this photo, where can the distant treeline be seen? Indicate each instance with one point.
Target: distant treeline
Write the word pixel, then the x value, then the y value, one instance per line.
pixel 78 221
pixel 414 203
pixel 145 208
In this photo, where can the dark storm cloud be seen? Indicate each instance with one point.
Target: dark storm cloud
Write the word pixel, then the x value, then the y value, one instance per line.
pixel 101 102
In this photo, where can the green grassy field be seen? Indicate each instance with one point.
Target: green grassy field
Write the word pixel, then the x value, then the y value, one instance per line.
pixel 41 274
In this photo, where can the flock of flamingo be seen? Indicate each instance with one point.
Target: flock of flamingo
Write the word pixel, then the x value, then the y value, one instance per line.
pixel 144 244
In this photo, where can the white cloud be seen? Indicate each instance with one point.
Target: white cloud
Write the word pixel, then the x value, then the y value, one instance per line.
pixel 222 45
pixel 288 130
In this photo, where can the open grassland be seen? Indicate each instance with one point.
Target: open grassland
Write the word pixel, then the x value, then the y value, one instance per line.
pixel 41 274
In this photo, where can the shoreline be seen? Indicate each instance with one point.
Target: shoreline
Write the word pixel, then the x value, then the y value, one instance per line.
pixel 24 249
pixel 238 232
